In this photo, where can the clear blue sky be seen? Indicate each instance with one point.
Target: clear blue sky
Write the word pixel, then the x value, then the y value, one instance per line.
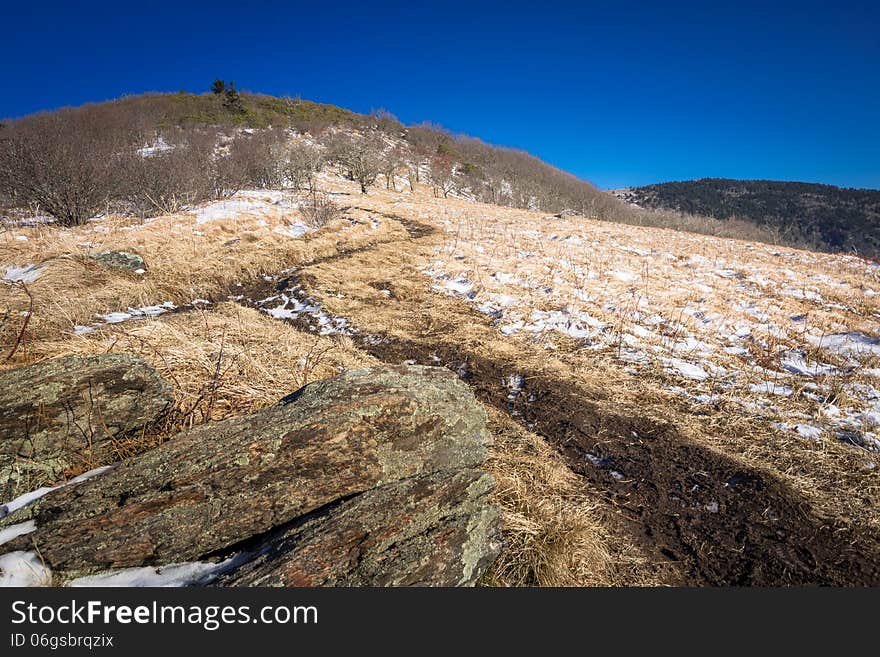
pixel 620 95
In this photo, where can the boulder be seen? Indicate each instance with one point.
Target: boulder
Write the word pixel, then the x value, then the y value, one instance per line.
pixel 65 412
pixel 120 260
pixel 437 530
pixel 365 479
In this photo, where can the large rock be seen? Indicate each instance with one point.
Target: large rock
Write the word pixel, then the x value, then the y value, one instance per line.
pixel 437 530
pixel 366 478
pixel 65 412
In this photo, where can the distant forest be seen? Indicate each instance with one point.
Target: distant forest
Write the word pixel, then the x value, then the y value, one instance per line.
pixel 822 216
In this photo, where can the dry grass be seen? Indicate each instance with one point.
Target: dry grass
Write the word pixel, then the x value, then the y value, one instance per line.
pixel 834 477
pixel 555 531
pixel 558 530
pixel 186 260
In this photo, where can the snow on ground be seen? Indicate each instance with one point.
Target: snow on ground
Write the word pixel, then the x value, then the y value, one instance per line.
pixel 144 312
pixel 171 575
pixel 31 497
pixel 253 203
pixel 292 230
pixel 137 313
pixel 774 329
pixel 23 569
pixel 23 274
pixel 157 147
pixel 293 304
pixel 14 531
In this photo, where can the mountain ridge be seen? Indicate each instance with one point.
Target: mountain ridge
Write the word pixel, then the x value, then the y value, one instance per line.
pixel 829 217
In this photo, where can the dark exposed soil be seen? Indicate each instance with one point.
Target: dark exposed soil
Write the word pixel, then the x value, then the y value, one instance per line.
pixel 724 522
pixel 720 521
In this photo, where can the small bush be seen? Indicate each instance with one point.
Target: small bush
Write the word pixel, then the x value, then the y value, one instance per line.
pixel 166 181
pixel 320 211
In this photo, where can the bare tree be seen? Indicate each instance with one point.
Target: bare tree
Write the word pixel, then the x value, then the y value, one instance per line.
pixel 360 156
pixel 442 175
pixel 300 165
pixel 392 162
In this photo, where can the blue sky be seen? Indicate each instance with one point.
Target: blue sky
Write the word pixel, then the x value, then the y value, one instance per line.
pixel 620 95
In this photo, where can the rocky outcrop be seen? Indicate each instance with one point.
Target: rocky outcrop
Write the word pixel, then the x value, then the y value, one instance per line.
pixel 436 530
pixel 65 412
pixel 120 260
pixel 365 479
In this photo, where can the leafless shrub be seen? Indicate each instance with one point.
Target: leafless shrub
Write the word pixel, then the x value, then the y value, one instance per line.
pixel 442 175
pixel 320 210
pixel 66 162
pixel 165 181
pixel 256 158
pixel 299 166
pixel 359 155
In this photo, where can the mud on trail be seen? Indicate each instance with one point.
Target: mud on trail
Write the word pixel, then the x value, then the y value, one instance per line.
pixel 715 520
pixel 723 522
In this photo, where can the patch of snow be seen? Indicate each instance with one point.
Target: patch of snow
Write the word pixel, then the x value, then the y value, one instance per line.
pixel 848 344
pixel 23 569
pixel 809 295
pixel 31 497
pixel 685 369
pixel 171 575
pixel 291 307
pixel 25 274
pixel 159 146
pixel 14 531
pixel 292 230
pixel 808 431
pixel 230 208
pixel 796 363
pixel 771 388
pixel 459 287
pixel 624 276
pixel 144 312
pixel 514 384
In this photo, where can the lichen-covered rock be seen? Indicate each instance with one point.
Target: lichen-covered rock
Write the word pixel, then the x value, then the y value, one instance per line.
pixel 65 412
pixel 437 530
pixel 122 260
pixel 374 461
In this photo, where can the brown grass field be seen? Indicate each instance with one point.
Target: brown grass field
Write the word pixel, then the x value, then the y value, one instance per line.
pixel 667 408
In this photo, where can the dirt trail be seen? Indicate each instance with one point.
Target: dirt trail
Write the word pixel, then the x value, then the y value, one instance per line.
pixel 717 519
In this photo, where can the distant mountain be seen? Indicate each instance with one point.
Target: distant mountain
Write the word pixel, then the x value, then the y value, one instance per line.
pixel 827 217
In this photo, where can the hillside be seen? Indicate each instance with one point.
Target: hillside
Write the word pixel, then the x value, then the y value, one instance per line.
pixel 666 408
pixel 822 216
pixel 654 406
pixel 157 152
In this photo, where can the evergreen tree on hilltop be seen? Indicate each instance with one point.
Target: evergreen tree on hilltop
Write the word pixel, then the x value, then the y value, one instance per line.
pixel 232 100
